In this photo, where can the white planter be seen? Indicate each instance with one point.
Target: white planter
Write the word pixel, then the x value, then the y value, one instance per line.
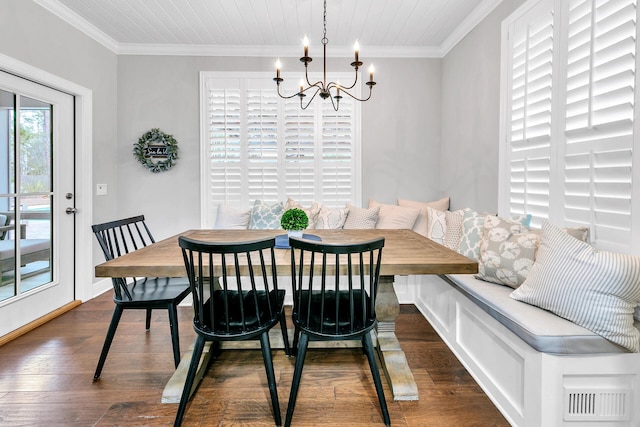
pixel 294 233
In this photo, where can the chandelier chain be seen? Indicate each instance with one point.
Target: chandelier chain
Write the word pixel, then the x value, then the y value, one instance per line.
pixel 324 38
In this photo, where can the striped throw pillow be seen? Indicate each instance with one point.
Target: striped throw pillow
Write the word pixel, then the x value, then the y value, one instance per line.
pixel 597 290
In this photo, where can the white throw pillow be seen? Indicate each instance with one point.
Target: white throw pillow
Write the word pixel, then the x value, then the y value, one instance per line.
pixel 420 225
pixel 395 217
pixel 597 290
pixel 312 212
pixel 232 219
pixel 360 218
pixel 331 219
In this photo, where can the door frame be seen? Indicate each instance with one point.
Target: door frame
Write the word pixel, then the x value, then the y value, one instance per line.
pixel 83 129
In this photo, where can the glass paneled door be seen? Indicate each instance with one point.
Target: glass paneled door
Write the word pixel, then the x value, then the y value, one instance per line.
pixel 36 190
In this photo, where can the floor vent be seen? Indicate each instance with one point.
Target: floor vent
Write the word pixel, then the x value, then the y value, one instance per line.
pixel 596 405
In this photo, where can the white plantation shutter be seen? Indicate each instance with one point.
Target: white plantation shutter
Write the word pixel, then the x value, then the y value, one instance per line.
pixel 529 130
pixel 262 145
pixel 599 118
pixel 300 152
pixel 258 146
pixel 569 124
pixel 224 147
pixel 337 153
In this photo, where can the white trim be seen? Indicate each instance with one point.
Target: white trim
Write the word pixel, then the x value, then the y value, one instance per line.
pixel 467 25
pixel 77 21
pixel 84 165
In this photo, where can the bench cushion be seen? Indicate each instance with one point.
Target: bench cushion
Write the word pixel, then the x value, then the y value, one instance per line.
pixel 541 329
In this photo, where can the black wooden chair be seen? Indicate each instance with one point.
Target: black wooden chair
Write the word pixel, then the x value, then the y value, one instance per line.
pixel 328 308
pixel 120 237
pixel 232 309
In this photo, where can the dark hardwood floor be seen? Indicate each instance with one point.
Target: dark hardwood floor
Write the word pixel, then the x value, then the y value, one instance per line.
pixel 46 379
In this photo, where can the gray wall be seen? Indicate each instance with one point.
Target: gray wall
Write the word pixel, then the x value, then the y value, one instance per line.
pixel 470 115
pixel 32 35
pixel 400 131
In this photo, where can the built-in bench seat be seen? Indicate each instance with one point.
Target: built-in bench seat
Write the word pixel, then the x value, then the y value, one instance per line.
pixel 538 368
pixel 541 329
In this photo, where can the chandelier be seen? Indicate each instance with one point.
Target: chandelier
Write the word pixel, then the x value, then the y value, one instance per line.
pixel 330 90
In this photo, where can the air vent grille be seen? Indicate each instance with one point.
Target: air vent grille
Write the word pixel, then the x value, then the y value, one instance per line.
pixel 596 404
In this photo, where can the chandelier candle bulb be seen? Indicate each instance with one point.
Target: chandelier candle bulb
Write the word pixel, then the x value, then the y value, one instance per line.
pixel 371 73
pixel 305 43
pixel 356 48
pixel 278 65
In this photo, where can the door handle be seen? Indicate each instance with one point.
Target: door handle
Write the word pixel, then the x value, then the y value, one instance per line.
pixel 71 210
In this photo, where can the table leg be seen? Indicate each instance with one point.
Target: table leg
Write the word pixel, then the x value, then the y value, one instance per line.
pixel 403 384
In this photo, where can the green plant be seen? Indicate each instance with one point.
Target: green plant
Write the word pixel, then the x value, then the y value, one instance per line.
pixel 294 219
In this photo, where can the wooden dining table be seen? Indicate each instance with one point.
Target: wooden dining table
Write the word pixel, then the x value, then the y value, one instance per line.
pixel 405 253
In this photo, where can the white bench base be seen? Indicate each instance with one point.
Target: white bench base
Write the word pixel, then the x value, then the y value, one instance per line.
pixel 530 388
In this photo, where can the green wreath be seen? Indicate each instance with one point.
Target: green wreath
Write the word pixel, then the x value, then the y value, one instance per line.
pixel 156 150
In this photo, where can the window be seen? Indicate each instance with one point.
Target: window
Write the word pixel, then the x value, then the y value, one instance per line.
pixel 568 117
pixel 256 145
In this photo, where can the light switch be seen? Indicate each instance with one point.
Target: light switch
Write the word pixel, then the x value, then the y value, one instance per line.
pixel 101 189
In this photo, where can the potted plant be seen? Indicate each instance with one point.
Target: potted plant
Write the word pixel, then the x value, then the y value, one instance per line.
pixel 294 221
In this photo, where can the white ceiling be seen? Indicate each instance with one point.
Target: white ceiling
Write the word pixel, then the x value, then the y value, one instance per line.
pixel 396 28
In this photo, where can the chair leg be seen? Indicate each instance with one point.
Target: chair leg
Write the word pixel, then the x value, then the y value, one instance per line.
pixel 115 319
pixel 175 335
pixel 147 324
pixel 296 337
pixel 297 374
pixel 188 383
pixel 271 378
pixel 367 344
pixel 285 335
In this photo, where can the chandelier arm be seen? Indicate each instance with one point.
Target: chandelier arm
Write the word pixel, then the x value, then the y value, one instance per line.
pixel 311 99
pixel 287 97
pixel 336 85
pixel 355 97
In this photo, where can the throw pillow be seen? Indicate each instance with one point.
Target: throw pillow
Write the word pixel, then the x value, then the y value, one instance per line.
pixel 395 217
pixel 312 212
pixel 331 219
pixel 507 251
pixel 472 226
pixel 360 218
pixel 420 225
pixel 232 219
pixel 598 290
pixel 266 217
pixel 436 225
pixel 453 233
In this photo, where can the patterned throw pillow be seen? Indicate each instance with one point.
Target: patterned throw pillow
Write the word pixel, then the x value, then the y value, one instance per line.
pixel 420 225
pixel 598 290
pixel 360 218
pixel 395 217
pixel 266 217
pixel 507 251
pixel 331 219
pixel 472 226
pixel 436 225
pixel 312 212
pixel 453 233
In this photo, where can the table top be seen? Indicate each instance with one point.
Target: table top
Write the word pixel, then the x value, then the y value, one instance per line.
pixel 405 253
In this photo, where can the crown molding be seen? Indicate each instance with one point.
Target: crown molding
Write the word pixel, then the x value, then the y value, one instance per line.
pixel 77 21
pixel 468 24
pixel 273 51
